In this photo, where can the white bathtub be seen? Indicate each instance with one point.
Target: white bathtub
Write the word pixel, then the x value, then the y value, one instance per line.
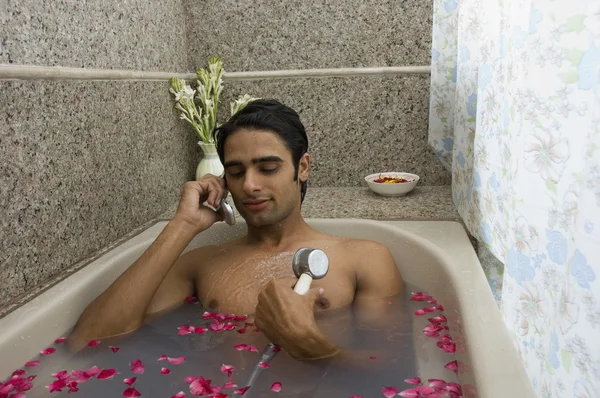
pixel 437 256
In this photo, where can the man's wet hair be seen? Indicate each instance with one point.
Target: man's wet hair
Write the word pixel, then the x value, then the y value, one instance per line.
pixel 272 115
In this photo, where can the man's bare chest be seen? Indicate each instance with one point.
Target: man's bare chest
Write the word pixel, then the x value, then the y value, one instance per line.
pixel 231 283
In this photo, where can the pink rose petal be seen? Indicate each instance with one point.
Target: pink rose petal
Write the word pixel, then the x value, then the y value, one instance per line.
pixel 437 383
pixel 208 315
pixel 162 358
pixel 218 395
pixel 19 395
pixel 130 380
pixel 63 374
pixel 200 330
pixel 439 307
pixel 229 326
pixel 131 392
pixel 432 301
pixel 107 374
pixel 264 365
pixel 47 351
pixel 114 349
pixel 419 312
pixel 93 343
pixel 190 299
pixel 19 372
pixel 276 349
pixel 176 361
pixel 425 390
pixel 217 327
pixel 241 391
pixel 57 385
pixel 413 380
pixel 241 318
pixel 227 369
pixel 190 379
pixel 389 392
pixel 372 357
pixel 438 319
pixel 60 340
pixel 32 363
pixel 93 371
pixel 137 366
pixel 453 366
pixel 242 330
pixel 409 393
pixel 429 309
pixel 431 333
pixel 449 348
pixel 9 388
pixel 454 388
pixel 229 384
pixel 180 394
pixel 276 387
pixel 165 371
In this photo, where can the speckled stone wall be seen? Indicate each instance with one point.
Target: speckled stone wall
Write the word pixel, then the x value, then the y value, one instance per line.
pixel 356 126
pixel 83 163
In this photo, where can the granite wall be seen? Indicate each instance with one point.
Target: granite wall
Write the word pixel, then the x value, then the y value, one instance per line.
pixel 83 163
pixel 356 126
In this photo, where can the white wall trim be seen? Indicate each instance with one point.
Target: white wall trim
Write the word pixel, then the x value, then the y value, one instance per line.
pixel 31 72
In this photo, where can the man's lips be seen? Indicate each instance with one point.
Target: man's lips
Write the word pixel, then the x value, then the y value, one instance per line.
pixel 256 204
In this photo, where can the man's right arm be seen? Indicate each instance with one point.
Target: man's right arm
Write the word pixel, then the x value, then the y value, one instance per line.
pixel 160 278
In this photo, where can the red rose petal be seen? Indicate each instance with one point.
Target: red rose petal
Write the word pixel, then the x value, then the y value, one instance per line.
pixel 372 357
pixel 32 363
pixel 217 327
pixel 48 351
pixel 276 387
pixel 241 318
pixel 190 379
pixel 242 330
pixel 425 390
pixel 439 307
pixel 229 384
pixel 276 349
pixel 389 392
pixel 165 371
pixel 57 385
pixel 60 340
pixel 241 391
pixel 131 392
pixel 200 330
pixel 437 383
pixel 227 369
pixel 107 374
pixel 208 315
pixel 413 380
pixel 180 394
pixel 264 365
pixel 409 393
pixel 114 349
pixel 432 301
pixel 419 312
pixel 130 380
pixel 190 299
pixel 429 309
pixel 93 371
pixel 162 358
pixel 137 366
pixel 93 343
pixel 453 366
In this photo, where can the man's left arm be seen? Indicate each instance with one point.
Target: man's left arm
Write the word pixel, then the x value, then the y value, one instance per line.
pixel 287 318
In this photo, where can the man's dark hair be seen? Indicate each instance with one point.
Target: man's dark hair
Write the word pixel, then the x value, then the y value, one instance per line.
pixel 268 114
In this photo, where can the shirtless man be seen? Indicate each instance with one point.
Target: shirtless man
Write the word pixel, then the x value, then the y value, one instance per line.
pixel 264 151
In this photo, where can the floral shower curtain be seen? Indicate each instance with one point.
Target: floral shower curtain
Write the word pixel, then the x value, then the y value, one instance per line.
pixel 515 115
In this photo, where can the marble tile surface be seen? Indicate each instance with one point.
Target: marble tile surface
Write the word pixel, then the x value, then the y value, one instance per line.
pixel 111 34
pixel 82 164
pixel 356 126
pixel 296 34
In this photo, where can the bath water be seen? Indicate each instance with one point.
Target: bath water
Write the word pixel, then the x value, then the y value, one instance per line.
pixel 378 352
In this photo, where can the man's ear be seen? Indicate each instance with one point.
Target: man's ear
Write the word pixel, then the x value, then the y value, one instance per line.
pixel 304 167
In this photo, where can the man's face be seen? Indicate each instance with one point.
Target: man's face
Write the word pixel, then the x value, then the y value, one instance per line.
pixel 260 176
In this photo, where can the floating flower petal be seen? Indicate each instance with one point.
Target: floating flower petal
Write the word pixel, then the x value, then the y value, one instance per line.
pixel 413 380
pixel 429 309
pixel 114 349
pixel 60 340
pixel 130 380
pixel 131 392
pixel 227 369
pixel 176 361
pixel 230 384
pixel 165 371
pixel 264 365
pixel 200 330
pixel 190 299
pixel 32 363
pixel 137 366
pixel 107 374
pixel 93 371
pixel 190 379
pixel 276 387
pixel 47 351
pixel 419 312
pixel 93 343
pixel 180 394
pixel 389 392
pixel 241 391
pixel 453 366
pixel 409 393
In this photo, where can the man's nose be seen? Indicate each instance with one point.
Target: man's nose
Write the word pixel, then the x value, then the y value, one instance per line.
pixel 251 182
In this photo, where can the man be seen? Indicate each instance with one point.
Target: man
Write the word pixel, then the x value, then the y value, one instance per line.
pixel 264 151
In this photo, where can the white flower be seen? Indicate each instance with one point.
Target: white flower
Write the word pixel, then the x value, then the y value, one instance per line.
pixel 546 153
pixel 568 310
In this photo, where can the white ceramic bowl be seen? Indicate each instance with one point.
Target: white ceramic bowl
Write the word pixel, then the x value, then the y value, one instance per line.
pixel 397 189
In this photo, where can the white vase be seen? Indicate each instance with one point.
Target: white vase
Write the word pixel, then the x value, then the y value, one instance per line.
pixel 210 162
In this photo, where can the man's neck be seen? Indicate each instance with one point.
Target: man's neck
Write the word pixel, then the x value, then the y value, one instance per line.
pixel 280 235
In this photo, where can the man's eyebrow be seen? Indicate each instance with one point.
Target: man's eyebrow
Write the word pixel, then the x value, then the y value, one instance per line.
pixel 263 159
